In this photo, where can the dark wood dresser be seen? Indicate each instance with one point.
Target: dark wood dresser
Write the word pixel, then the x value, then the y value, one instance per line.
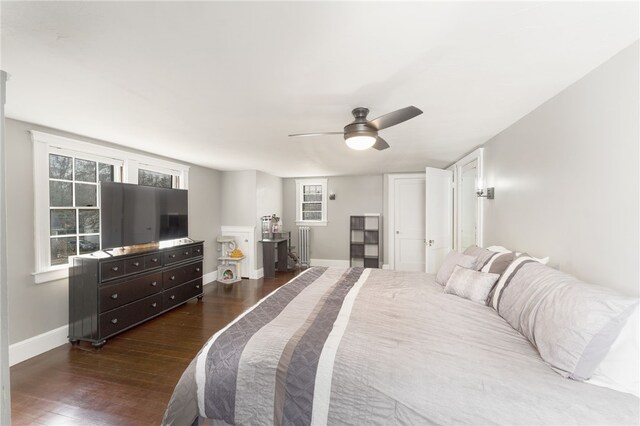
pixel 110 293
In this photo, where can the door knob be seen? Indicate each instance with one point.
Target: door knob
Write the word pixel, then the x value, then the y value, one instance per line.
pixel 397 232
pixel 430 243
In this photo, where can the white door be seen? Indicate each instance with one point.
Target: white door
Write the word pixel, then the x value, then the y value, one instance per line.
pixel 439 216
pixel 409 213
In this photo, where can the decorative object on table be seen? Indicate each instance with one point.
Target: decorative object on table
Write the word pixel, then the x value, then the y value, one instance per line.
pixel 230 258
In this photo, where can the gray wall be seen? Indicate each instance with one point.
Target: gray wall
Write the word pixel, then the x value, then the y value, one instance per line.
pixel 354 195
pixel 37 308
pixel 566 178
pixel 238 202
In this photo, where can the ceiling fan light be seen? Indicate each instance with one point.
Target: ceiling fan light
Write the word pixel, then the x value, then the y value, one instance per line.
pixel 360 143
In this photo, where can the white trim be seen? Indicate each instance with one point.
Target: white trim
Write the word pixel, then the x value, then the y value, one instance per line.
pixel 312 181
pixel 5 382
pixel 338 263
pixel 37 345
pixel 386 267
pixel 60 272
pixel 256 274
pixel 391 219
pixel 209 278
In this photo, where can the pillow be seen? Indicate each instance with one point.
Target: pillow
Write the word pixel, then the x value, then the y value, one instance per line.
pixel 500 249
pixel 509 271
pixel 498 263
pixel 620 368
pixel 470 284
pixel 452 259
pixel 572 324
pixel 483 256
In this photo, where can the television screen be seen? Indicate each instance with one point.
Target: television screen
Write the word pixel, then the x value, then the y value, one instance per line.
pixel 136 214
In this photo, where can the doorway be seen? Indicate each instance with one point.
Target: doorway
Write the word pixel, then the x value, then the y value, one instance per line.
pixel 406 221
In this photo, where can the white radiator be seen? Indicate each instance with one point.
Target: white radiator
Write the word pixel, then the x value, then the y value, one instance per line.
pixel 304 244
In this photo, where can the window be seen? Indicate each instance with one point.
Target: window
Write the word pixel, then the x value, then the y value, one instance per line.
pixel 67 175
pixel 74 210
pixel 311 202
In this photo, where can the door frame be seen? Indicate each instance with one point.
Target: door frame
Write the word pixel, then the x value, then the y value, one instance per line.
pixel 391 222
pixel 477 156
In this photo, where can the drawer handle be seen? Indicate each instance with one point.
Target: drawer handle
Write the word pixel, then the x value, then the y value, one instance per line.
pixel 186 253
pixel 154 304
pixel 114 321
pixel 198 251
pixel 197 285
pixel 114 296
pixel 154 260
pixel 136 263
pixel 172 277
pixel 153 284
pixel 172 297
pixel 197 269
pixel 114 268
pixel 173 256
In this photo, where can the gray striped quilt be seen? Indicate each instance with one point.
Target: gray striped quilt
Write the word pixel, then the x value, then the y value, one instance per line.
pixel 366 346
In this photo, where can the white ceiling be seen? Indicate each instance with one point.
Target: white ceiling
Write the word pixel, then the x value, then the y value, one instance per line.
pixel 222 84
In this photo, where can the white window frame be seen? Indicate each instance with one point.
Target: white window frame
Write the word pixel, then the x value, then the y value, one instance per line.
pixel 300 183
pixel 45 144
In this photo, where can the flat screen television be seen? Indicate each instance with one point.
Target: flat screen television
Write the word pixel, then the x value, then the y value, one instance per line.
pixel 135 214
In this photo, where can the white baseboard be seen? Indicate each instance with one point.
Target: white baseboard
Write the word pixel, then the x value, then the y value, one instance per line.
pixel 330 262
pixel 209 278
pixel 256 273
pixel 386 266
pixel 37 345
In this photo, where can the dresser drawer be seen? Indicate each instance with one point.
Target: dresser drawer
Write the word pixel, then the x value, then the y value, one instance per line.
pixel 134 265
pixel 181 274
pixel 128 315
pixel 115 295
pixel 197 251
pixel 152 261
pixel 111 270
pixel 177 255
pixel 179 294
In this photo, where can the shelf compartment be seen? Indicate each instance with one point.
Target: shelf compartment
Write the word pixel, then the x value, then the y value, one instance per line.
pixel 357 250
pixel 357 262
pixel 357 222
pixel 358 236
pixel 371 237
pixel 370 250
pixel 371 223
pixel 371 263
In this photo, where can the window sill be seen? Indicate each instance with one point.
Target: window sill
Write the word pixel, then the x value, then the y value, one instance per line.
pixel 51 275
pixel 310 223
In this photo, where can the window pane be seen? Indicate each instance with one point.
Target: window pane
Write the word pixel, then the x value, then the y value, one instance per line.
pixel 86 195
pixel 311 215
pixel 312 207
pixel 61 249
pixel 312 197
pixel 105 173
pixel 60 167
pixel 89 243
pixel 62 222
pixel 88 222
pixel 60 194
pixel 85 170
pixel 149 178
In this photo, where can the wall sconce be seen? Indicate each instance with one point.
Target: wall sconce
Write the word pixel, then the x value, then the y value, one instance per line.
pixel 489 194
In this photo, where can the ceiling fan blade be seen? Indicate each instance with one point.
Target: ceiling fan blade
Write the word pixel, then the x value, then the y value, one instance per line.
pixel 380 144
pixel 316 134
pixel 395 117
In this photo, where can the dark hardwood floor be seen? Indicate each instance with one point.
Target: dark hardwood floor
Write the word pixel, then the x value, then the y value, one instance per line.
pixel 130 380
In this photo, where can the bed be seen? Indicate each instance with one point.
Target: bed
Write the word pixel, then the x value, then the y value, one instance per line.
pixel 368 346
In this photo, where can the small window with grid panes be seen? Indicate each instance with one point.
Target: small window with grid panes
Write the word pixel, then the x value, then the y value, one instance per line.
pixel 74 205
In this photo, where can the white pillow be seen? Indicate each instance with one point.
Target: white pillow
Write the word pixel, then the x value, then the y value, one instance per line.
pixel 470 284
pixel 620 368
pixel 452 259
pixel 500 249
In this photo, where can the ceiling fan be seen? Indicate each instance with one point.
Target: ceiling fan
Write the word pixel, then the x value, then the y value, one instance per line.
pixel 362 134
